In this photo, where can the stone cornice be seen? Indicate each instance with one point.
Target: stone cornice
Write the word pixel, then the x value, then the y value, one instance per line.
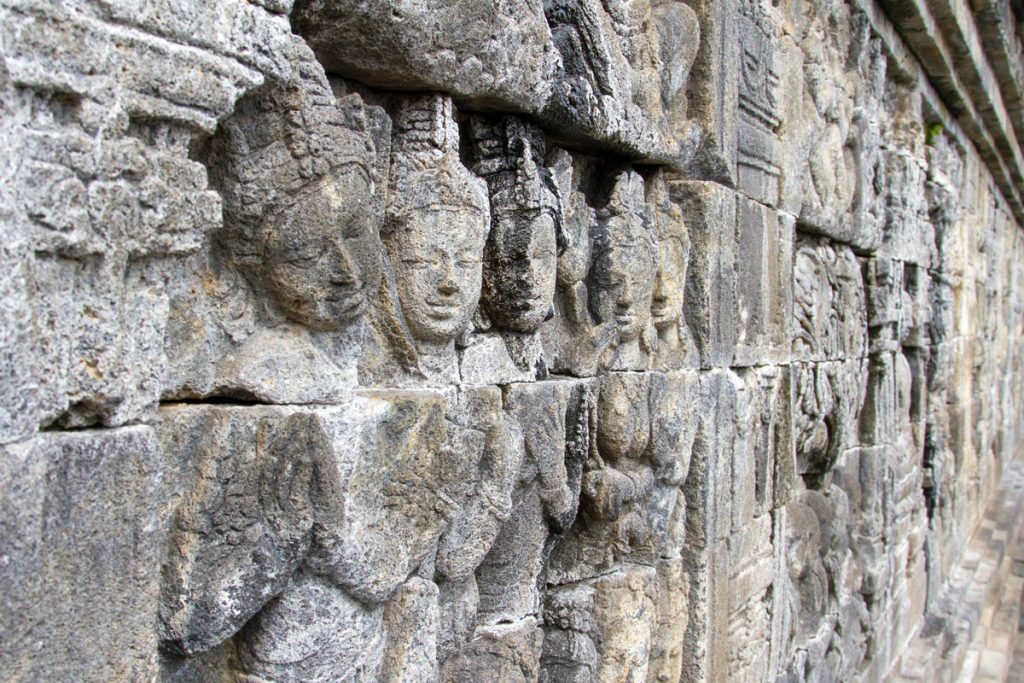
pixel 967 62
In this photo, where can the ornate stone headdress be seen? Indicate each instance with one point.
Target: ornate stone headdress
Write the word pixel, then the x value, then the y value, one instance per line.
pixel 279 141
pixel 626 200
pixel 426 174
pixel 426 171
pixel 509 155
pixel 670 223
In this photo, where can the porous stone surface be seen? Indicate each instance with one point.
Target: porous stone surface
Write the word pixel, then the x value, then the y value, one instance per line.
pixel 532 340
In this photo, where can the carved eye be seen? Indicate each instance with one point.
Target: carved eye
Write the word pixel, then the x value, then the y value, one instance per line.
pixel 305 254
pixel 467 260
pixel 417 264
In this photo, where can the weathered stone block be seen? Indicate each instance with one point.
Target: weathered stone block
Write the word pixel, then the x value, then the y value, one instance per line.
pixel 709 484
pixel 711 300
pixel 764 277
pixel 82 552
pixel 590 70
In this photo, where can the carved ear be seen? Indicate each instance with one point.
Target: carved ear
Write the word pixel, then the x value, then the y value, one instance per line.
pixel 243 529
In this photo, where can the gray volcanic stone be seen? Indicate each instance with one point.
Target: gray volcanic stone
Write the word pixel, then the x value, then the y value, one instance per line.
pixel 431 341
pixel 81 556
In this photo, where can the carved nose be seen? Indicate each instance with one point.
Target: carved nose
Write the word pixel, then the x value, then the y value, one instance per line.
pixel 625 296
pixel 659 289
pixel 344 270
pixel 449 284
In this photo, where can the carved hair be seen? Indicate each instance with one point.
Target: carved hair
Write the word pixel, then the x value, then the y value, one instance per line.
pixel 281 140
pixel 509 155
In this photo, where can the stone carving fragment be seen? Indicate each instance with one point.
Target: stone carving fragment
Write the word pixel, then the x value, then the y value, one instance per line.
pixel 491 53
pixel 671 606
pixel 632 514
pixel 519 269
pixel 412 621
pixel 554 420
pixel 834 138
pixel 829 398
pixel 829 302
pixel 674 343
pixel 601 629
pixel 298 525
pixel 621 277
pixel 287 279
pixel 434 234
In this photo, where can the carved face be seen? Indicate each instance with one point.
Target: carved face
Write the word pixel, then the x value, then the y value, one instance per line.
pixel 520 269
pixel 669 284
pixel 437 255
pixel 322 254
pixel 623 281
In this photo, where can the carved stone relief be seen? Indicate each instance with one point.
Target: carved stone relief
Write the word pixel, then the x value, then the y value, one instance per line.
pixel 526 340
pixel 280 291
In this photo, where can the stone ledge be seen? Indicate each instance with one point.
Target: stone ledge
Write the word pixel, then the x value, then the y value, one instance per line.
pixel 946 45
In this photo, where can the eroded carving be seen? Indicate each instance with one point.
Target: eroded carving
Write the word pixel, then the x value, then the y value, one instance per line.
pixel 294 527
pixel 434 233
pixel 288 277
pixel 622 273
pixel 674 343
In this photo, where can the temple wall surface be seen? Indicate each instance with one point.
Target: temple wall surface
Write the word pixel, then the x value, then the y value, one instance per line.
pixel 524 340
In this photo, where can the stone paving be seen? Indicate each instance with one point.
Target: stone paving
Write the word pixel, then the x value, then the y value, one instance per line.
pixel 975 631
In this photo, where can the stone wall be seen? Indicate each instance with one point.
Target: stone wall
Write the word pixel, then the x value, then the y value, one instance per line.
pixel 574 340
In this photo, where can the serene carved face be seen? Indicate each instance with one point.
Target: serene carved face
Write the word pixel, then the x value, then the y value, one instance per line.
pixel 437 255
pixel 520 270
pixel 623 281
pixel 669 284
pixel 322 253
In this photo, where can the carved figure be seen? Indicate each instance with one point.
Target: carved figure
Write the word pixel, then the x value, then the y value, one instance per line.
pixel 488 448
pixel 297 261
pixel 520 257
pixel 434 233
pixel 631 519
pixel 572 343
pixel 260 543
pixel 621 277
pixel 297 526
pixel 554 417
pixel 670 281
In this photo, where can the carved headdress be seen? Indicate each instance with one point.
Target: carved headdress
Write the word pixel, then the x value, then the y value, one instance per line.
pixel 670 223
pixel 426 171
pixel 626 201
pixel 426 175
pixel 280 140
pixel 509 155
